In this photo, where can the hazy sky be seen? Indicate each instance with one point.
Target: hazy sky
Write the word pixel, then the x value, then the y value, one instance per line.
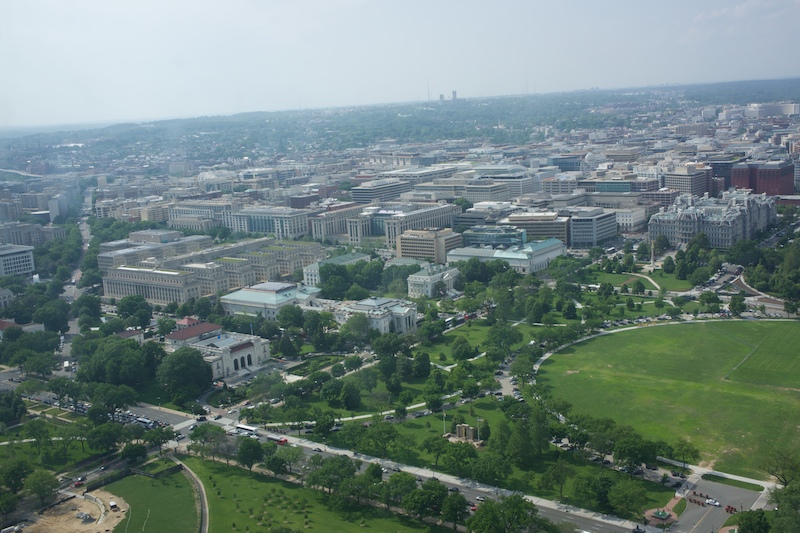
pixel 69 62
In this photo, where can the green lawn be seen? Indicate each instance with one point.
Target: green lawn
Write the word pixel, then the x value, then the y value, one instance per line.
pixel 163 504
pixel 234 492
pixel 724 385
pixel 669 282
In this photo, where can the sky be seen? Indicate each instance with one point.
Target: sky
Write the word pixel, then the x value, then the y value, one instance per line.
pixel 84 61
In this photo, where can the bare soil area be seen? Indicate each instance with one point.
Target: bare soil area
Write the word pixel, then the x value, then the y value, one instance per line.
pixel 63 517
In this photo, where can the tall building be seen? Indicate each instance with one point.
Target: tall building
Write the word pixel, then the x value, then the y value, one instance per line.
pixel 773 178
pixel 390 220
pixel 689 179
pixel 16 260
pixel 590 227
pixel 427 244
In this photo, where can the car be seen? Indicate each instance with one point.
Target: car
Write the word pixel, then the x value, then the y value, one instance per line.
pixel 384 470
pixel 453 489
pixel 473 508
pixel 651 467
pixel 217 416
pixel 712 501
pixel 318 450
pixel 180 436
pixel 192 427
pixel 78 483
pixel 80 478
pixel 396 469
pixel 388 417
pixel 201 419
pixel 676 485
pixel 480 498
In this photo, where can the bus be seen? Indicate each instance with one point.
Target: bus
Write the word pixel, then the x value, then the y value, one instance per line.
pixel 247 430
pixel 280 441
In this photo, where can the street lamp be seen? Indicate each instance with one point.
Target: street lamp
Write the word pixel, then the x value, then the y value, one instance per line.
pixel 444 417
pixel 159 403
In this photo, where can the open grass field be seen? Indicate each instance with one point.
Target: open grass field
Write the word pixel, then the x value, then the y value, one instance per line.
pixel 618 280
pixel 732 388
pixel 163 504
pixel 233 492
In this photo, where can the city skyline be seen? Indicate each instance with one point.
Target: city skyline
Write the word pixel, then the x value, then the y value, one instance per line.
pixel 92 62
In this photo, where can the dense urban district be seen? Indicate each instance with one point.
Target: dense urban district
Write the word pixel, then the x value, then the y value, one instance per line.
pixel 555 313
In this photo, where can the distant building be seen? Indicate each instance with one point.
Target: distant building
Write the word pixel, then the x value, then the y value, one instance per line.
pixel 157 286
pixel 283 222
pixel 268 298
pixel 494 236
pixel 379 190
pixel 590 227
pixel 16 260
pixel 773 178
pixel 387 315
pixel 540 224
pixel 311 272
pixel 737 215
pixel 689 179
pixel 531 257
pixel 427 244
pixel 423 282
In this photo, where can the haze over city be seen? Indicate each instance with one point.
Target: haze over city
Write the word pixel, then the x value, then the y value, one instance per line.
pixel 99 62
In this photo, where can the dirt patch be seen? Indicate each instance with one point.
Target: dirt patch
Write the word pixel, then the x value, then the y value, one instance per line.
pixel 63 517
pixel 572 371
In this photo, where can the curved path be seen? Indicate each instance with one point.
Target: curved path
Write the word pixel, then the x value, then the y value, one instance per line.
pixel 203 497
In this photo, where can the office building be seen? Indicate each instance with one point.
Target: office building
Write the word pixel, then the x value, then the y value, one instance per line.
pixel 157 286
pixel 689 179
pixel 332 223
pixel 379 190
pixel 773 178
pixel 725 221
pixel 16 259
pixel 590 227
pixel 428 244
pixel 416 175
pixel 539 224
pixel 282 222
pixel 494 236
pixel 530 257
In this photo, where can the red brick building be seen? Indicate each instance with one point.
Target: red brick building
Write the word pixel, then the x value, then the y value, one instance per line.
pixel 771 177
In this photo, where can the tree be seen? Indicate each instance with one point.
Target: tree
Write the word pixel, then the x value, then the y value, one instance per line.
pixel 42 484
pixel 290 316
pixel 459 456
pixel 112 397
pixel 454 509
pixel 787 503
pixel 13 473
pixel 570 312
pixel 40 363
pixel 291 455
pixel 136 308
pixel 628 498
pixel 685 451
pixel 491 468
pixel 737 305
pixel 557 476
pixel 38 430
pixel 8 503
pixel 184 374
pixel 104 437
pixel 753 522
pixel 461 349
pixel 250 452
pixel 783 465
pixel 669 265
pixel 133 452
pixel 159 436
pixel 435 446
